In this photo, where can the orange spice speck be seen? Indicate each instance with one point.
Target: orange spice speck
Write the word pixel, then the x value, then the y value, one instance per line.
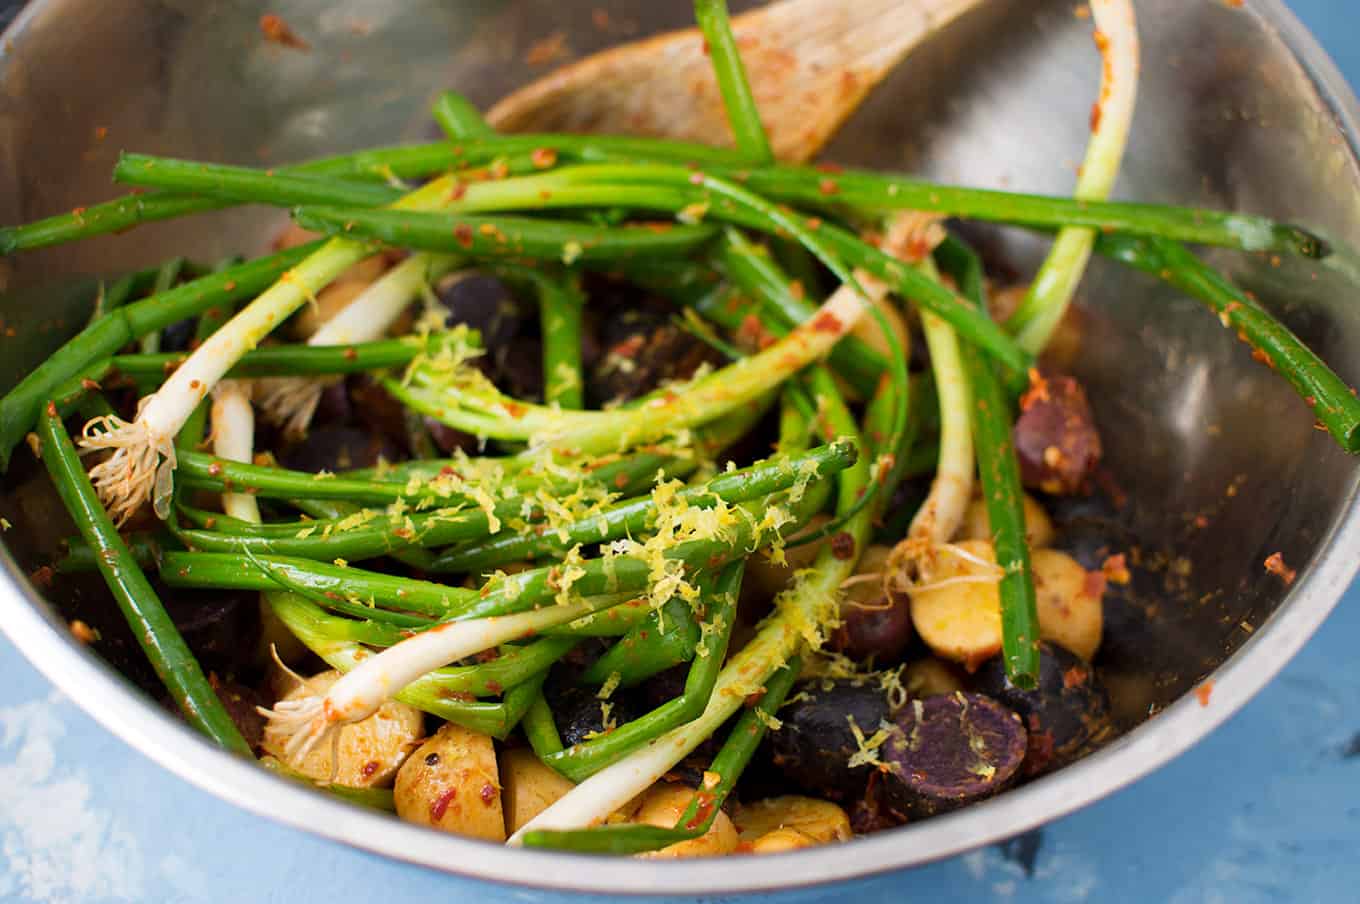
pixel 1203 692
pixel 280 32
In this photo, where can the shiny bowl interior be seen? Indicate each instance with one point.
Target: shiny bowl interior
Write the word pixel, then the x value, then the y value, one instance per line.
pixel 1238 109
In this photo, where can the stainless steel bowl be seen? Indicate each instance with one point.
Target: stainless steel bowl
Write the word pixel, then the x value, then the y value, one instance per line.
pixel 1238 108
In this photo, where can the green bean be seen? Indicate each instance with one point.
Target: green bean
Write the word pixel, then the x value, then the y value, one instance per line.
pixel 235 572
pixel 582 760
pixel 635 516
pixel 166 277
pixel 754 272
pixel 20 407
pixel 742 114
pixel 741 744
pixel 560 304
pixel 539 728
pixel 243 185
pixel 458 117
pixel 666 638
pixel 505 237
pixel 999 475
pixel 118 293
pixel 358 539
pixel 1333 402
pixel 155 631
pixel 144 546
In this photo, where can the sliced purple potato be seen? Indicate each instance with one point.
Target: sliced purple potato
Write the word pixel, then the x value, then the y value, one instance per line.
pixel 949 751
pixel 1067 713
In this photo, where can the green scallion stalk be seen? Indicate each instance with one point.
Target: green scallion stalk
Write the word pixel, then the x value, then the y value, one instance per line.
pixel 635 516
pixel 20 407
pixel 741 744
pixel 295 360
pixel 707 650
pixel 155 631
pixel 742 113
pixel 505 237
pixel 999 475
pixel 459 118
pixel 1333 402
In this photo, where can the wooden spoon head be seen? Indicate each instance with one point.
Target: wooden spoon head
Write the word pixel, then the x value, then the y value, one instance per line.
pixel 810 64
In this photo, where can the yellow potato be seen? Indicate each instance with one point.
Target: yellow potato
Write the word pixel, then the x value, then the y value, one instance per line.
pixel 1070 610
pixel 452 784
pixel 930 677
pixel 961 620
pixel 781 840
pixel 977 526
pixel 527 787
pixel 774 824
pixel 368 752
pixel 664 804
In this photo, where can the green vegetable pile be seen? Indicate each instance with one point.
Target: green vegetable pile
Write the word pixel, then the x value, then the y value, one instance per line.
pixel 620 523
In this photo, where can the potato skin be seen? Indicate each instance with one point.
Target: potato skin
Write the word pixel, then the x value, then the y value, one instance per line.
pixel 527 787
pixel 961 622
pixel 790 822
pixel 977 525
pixel 663 805
pixel 1069 602
pixel 370 752
pixel 451 783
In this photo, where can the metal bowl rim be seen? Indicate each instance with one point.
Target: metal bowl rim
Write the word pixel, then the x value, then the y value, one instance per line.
pixel 129 715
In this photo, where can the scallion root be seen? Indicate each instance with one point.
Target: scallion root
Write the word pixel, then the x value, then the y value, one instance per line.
pixel 141 466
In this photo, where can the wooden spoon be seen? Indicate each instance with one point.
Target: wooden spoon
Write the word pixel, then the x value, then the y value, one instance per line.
pixel 810 64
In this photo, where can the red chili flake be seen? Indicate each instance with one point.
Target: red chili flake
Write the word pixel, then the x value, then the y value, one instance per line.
pixel 1037 392
pixel 463 233
pixel 370 767
pixel 1201 522
pixel 280 32
pixel 1275 564
pixel 51 409
pixel 515 409
pixel 488 794
pixel 440 805
pixel 1094 584
pixel 543 158
pixel 842 545
pixel 459 189
pixel 1204 692
pixel 1116 569
pixel 753 699
pixel 1076 676
pixel 351 353
pixel 827 322
pixel 77 212
pixel 488 655
pixel 229 285
pixel 701 812
pixel 41 577
pixel 828 187
pixel 1096 111
pixel 1259 354
pixel 83 632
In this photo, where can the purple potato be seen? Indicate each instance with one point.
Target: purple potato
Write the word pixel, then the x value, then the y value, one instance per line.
pixel 815 742
pixel 337 449
pixel 948 751
pixel 1065 715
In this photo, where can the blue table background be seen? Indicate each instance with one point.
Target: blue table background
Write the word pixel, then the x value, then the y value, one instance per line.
pixel 1266 809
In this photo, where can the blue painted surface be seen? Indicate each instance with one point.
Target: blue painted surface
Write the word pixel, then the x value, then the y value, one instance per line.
pixel 1266 809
